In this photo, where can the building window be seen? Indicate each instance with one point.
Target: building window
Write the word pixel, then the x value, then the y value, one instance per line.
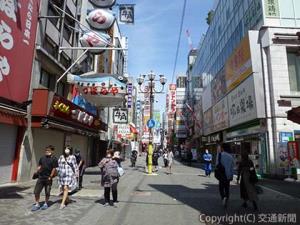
pixel 181 82
pixel 69 25
pixel 65 60
pixel 47 80
pixel 54 15
pixel 61 89
pixel 50 46
pixel 294 71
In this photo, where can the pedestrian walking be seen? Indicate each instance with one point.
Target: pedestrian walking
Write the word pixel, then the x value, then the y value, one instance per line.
pixel 247 173
pixel 81 166
pixel 45 172
pixel 207 157
pixel 189 157
pixel 170 160
pixel 67 175
pixel 155 160
pixel 224 172
pixel 165 157
pixel 110 177
pixel 133 157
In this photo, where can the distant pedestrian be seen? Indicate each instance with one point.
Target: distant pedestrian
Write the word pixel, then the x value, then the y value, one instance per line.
pixel 165 157
pixel 110 177
pixel 246 172
pixel 170 160
pixel 133 157
pixel 45 172
pixel 67 175
pixel 81 166
pixel 207 157
pixel 189 157
pixel 155 160
pixel 225 159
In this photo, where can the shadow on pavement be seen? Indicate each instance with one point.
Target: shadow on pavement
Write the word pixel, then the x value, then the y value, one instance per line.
pixel 12 192
pixel 208 201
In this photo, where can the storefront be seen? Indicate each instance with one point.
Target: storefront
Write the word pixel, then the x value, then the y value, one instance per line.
pixel 250 138
pixel 58 122
pixel 12 127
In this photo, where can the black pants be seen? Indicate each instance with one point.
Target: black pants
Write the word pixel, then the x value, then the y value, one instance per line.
pixel 224 188
pixel 114 191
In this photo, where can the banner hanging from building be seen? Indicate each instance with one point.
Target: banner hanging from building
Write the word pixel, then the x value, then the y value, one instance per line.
pixel 18 26
pixel 126 13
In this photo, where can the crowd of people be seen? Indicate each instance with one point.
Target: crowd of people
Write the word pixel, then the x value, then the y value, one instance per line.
pixel 69 169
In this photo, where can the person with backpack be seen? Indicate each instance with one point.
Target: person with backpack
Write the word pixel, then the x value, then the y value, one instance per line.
pixel 45 173
pixel 110 177
pixel 247 173
pixel 67 174
pixel 224 172
pixel 133 158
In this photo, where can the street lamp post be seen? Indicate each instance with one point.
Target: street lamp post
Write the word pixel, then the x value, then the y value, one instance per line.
pixel 151 80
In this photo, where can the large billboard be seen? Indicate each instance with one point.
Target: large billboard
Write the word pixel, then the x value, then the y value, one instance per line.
pixel 18 24
pixel 239 66
pixel 242 103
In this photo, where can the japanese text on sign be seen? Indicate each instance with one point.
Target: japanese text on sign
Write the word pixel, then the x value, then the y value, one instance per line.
pixel 120 115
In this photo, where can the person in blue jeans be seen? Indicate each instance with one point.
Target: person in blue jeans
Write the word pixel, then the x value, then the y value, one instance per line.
pixel 207 157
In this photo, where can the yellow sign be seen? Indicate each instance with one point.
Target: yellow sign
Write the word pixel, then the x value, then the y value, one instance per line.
pixel 239 66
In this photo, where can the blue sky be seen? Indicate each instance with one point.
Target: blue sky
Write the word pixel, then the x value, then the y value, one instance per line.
pixel 153 38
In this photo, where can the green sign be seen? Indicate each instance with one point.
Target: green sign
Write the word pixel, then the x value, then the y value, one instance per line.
pixel 271 8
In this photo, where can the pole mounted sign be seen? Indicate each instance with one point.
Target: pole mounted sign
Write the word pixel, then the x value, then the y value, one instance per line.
pixel 150 123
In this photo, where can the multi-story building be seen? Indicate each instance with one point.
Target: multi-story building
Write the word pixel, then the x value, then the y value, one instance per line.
pixel 54 115
pixel 249 63
pixel 181 127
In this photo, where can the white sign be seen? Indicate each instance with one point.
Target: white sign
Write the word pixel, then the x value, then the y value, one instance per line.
pixel 100 19
pixel 126 13
pixel 123 129
pixel 120 116
pixel 220 115
pixel 241 102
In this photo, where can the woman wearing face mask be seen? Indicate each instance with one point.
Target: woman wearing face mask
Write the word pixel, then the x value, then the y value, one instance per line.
pixel 68 172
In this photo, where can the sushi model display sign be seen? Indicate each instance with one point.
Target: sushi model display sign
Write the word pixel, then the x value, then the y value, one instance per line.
pixel 103 3
pixel 99 18
pixel 92 86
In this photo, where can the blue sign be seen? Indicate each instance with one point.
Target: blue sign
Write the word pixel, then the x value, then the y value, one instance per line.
pixel 151 123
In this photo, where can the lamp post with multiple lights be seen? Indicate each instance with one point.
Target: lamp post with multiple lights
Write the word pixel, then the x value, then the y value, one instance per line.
pixel 151 91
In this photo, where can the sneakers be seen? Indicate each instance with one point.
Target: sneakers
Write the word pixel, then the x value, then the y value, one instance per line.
pixel 106 204
pixel 35 207
pixel 62 206
pixel 44 207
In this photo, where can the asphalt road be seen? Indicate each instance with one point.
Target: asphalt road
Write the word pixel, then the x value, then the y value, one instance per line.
pixel 186 197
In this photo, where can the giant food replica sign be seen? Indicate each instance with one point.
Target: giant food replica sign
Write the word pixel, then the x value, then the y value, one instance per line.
pixel 103 3
pixel 100 19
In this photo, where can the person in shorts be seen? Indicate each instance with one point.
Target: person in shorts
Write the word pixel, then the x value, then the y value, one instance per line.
pixel 45 172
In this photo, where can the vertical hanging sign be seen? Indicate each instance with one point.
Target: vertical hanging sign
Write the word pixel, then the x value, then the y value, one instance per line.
pixel 129 92
pixel 126 13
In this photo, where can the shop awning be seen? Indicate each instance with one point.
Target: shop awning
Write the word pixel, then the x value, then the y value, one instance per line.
pixel 294 115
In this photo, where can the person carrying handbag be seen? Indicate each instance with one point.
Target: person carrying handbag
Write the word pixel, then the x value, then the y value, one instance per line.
pixel 247 173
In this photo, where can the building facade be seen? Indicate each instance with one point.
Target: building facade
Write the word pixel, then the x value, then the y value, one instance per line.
pixel 249 66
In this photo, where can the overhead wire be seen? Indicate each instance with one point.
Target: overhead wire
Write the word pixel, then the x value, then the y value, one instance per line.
pixel 179 38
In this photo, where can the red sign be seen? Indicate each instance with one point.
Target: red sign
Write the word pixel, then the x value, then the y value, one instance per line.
pixel 18 23
pixel 64 109
pixel 293 150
